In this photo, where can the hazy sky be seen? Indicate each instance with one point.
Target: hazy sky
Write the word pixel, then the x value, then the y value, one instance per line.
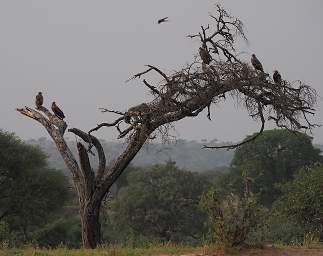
pixel 80 53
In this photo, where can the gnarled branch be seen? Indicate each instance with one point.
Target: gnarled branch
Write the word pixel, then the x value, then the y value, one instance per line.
pixel 101 155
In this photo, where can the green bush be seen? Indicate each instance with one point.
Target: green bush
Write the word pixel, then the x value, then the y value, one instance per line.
pixel 65 232
pixel 160 204
pixel 299 211
pixel 233 221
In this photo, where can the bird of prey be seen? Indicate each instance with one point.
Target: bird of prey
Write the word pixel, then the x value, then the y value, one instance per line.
pixel 57 111
pixel 162 20
pixel 277 77
pixel 39 100
pixel 256 63
pixel 205 55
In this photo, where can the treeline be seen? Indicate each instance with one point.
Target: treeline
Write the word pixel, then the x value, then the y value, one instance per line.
pixel 187 154
pixel 271 193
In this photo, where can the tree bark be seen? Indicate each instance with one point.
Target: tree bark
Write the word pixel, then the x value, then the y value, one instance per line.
pixel 183 94
pixel 91 228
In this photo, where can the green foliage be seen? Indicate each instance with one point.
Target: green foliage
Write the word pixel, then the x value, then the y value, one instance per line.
pixel 302 199
pixel 272 159
pixel 281 229
pixel 160 204
pixel 30 193
pixel 233 221
pixel 62 231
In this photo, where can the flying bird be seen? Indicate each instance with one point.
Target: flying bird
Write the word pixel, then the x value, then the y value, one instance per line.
pixel 162 20
pixel 57 111
pixel 39 100
pixel 205 55
pixel 256 63
pixel 277 77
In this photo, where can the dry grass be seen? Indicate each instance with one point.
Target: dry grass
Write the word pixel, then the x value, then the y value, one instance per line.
pixel 164 250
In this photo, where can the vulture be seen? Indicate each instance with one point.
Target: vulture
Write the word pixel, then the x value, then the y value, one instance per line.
pixel 205 55
pixel 39 100
pixel 162 20
pixel 57 111
pixel 256 63
pixel 277 77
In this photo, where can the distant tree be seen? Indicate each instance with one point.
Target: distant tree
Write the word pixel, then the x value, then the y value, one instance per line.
pixel 270 160
pixel 178 95
pixel 302 199
pixel 161 204
pixel 30 193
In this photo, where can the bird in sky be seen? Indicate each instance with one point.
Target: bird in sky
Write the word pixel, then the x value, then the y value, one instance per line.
pixel 162 20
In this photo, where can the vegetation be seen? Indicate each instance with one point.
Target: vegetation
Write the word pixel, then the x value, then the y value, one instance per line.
pixel 270 160
pixel 165 250
pixel 187 154
pixel 302 200
pixel 164 204
pixel 232 220
pixel 185 93
pixel 30 193
pixel 160 204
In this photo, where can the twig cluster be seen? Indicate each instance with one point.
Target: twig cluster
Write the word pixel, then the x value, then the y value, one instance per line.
pixel 207 80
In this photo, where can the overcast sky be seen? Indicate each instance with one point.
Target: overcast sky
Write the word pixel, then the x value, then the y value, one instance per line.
pixel 80 53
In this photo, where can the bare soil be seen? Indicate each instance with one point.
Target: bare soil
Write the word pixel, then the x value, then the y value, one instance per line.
pixel 263 252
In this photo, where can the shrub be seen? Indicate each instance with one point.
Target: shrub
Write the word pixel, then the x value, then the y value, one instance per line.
pixel 233 221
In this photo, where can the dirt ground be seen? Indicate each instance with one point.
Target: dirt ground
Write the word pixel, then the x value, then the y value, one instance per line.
pixel 264 252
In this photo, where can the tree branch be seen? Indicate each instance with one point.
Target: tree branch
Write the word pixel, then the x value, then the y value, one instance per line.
pixel 88 174
pixel 101 155
pixel 57 136
pixel 262 118
pixel 106 125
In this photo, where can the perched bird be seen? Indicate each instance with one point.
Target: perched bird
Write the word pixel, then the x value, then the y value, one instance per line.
pixel 277 77
pixel 39 100
pixel 57 111
pixel 205 55
pixel 256 63
pixel 162 20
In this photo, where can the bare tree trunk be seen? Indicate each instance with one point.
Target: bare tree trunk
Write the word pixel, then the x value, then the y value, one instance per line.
pixel 91 185
pixel 91 228
pixel 185 93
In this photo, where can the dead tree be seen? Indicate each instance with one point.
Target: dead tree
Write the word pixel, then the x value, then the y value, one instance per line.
pixel 181 94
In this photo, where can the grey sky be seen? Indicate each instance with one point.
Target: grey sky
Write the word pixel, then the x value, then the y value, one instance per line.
pixel 79 53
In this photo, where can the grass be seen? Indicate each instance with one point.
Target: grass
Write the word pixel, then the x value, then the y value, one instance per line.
pixel 102 251
pixel 164 250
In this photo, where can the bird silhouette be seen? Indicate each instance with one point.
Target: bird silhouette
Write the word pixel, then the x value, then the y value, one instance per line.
pixel 277 77
pixel 162 20
pixel 39 100
pixel 205 55
pixel 57 111
pixel 256 63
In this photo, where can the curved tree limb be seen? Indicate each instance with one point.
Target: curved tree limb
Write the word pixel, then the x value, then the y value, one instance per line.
pixel 88 174
pixel 57 136
pixel 101 155
pixel 233 146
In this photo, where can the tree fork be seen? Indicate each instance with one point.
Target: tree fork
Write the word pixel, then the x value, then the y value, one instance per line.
pixel 184 93
pixel 91 186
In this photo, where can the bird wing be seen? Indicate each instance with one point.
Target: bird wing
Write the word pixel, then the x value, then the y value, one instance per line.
pixel 256 63
pixel 58 111
pixel 162 20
